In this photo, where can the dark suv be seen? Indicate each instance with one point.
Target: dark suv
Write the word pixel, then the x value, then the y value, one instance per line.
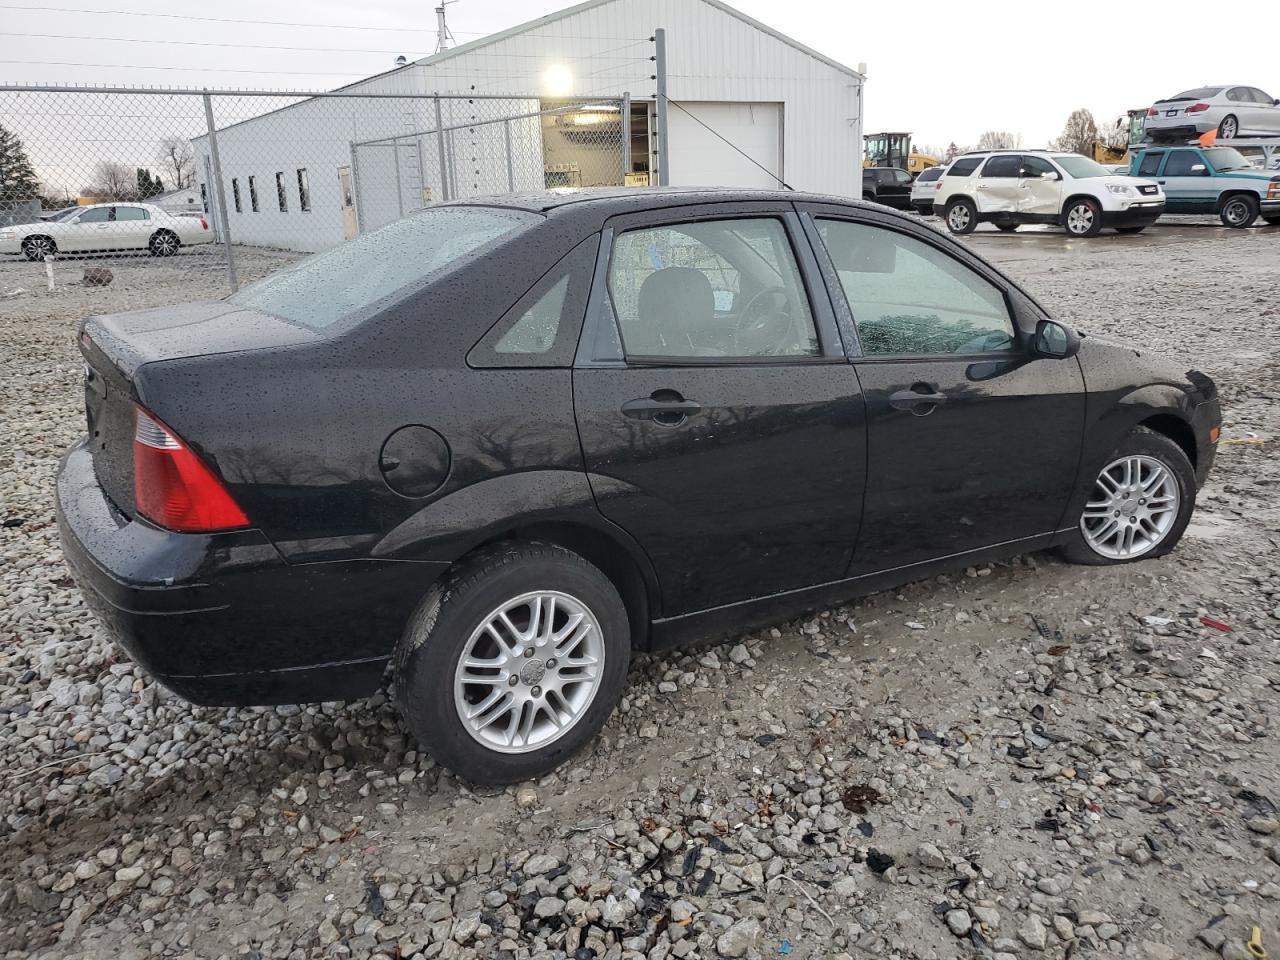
pixel 888 185
pixel 498 446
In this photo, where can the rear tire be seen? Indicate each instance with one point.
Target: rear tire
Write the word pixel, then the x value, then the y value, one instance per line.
pixel 1130 229
pixel 450 662
pixel 1082 217
pixel 1239 211
pixel 1229 128
pixel 1151 449
pixel 961 216
pixel 38 247
pixel 164 243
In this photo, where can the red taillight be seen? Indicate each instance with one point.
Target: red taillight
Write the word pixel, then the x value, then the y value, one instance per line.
pixel 172 487
pixel 1153 112
pixel 1197 108
pixel 203 224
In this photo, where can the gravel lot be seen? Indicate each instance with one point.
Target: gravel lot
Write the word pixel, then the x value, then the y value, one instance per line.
pixel 1023 760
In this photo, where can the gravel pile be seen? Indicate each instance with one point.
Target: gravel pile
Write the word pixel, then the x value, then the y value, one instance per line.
pixel 1021 760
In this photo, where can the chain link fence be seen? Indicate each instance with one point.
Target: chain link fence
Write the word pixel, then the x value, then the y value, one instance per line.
pixel 168 178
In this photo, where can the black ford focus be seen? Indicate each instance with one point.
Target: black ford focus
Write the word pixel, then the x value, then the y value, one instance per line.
pixel 500 445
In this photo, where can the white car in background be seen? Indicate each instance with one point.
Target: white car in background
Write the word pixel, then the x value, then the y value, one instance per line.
pixel 1010 188
pixel 104 227
pixel 923 189
pixel 1231 111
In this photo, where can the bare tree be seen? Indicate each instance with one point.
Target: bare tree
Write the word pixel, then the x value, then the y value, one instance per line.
pixel 1079 135
pixel 999 140
pixel 177 157
pixel 113 181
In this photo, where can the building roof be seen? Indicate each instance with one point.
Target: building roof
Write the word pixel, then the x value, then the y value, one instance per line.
pixel 591 5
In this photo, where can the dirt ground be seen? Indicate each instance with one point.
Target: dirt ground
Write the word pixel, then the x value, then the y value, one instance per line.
pixel 1025 759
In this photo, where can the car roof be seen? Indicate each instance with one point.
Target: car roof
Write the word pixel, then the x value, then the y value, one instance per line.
pixel 610 200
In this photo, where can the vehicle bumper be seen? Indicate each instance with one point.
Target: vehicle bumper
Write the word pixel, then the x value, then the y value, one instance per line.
pixel 1180 130
pixel 1135 215
pixel 221 619
pixel 924 207
pixel 1206 419
pixel 11 246
pixel 1270 208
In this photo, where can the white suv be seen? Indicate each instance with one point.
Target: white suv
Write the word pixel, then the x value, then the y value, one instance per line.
pixel 1013 187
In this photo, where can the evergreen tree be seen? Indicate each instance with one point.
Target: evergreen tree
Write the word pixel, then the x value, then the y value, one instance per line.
pixel 148 186
pixel 18 179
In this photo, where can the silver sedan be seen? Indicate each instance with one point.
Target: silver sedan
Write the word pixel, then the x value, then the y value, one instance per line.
pixel 1231 111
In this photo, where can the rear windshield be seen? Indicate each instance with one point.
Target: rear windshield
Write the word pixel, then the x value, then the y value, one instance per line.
pixel 324 288
pixel 1198 93
pixel 933 173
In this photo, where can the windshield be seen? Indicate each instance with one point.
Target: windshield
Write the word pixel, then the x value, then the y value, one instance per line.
pixel 324 288
pixel 1227 158
pixel 1081 167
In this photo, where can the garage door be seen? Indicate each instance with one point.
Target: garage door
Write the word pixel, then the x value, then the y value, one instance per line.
pixel 700 158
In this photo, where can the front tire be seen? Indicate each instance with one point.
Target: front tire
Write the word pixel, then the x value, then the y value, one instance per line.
pixel 1082 218
pixel 1139 504
pixel 1229 128
pixel 513 662
pixel 38 247
pixel 961 216
pixel 164 243
pixel 1240 211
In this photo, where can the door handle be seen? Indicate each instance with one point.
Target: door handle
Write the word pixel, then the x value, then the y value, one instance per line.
pixel 920 400
pixel 669 412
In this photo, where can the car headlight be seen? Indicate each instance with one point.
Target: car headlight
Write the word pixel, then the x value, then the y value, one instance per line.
pixel 1122 189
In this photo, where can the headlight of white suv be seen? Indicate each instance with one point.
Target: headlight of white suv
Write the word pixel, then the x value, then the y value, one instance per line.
pixel 1123 189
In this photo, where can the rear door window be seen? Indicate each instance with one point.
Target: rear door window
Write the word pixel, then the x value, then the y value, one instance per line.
pixel 1150 164
pixel 327 287
pixel 132 213
pixel 1005 165
pixel 96 215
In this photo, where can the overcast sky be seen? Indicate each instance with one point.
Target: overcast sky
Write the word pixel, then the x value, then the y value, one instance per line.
pixel 946 71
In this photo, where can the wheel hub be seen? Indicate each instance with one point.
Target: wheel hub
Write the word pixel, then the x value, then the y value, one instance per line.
pixel 1134 503
pixel 532 672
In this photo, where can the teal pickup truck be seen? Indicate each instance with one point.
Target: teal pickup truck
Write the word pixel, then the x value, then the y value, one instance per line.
pixel 1210 180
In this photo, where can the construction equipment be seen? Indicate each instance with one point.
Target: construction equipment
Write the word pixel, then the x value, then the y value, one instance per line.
pixel 894 150
pixel 1133 126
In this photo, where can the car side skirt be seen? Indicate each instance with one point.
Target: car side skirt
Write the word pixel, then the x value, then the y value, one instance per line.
pixel 749 614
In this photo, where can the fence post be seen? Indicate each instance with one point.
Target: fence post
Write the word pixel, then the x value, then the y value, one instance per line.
pixel 444 176
pixel 625 128
pixel 660 72
pixel 511 170
pixel 220 193
pixel 395 145
pixel 355 187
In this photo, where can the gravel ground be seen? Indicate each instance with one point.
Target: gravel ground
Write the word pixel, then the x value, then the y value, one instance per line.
pixel 1022 760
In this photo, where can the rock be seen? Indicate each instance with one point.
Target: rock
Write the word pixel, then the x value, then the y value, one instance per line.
pixel 1263 824
pixel 526 796
pixel 96 276
pixel 958 922
pixel 740 938
pixel 930 857
pixel 1032 932
pixel 539 864
pixel 1063 928
pixel 738 653
pixel 548 907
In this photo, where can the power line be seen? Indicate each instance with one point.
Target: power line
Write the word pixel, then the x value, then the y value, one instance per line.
pixel 264 46
pixel 135 66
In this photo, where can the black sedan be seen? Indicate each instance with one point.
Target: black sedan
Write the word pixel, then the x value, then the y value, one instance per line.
pixel 500 445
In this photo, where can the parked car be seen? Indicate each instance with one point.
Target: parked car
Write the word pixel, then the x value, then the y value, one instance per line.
pixel 1012 187
pixel 887 185
pixel 1231 111
pixel 923 190
pixel 500 445
pixel 104 227
pixel 1218 180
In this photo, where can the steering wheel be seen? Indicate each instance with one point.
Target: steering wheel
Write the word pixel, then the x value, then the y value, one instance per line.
pixel 765 324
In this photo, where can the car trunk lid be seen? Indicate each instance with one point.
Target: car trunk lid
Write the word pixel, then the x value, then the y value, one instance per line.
pixel 115 348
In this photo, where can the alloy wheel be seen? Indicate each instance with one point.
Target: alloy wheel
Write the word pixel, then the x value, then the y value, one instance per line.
pixel 1230 127
pixel 1080 218
pixel 529 671
pixel 958 217
pixel 1236 212
pixel 41 247
pixel 164 244
pixel 1132 507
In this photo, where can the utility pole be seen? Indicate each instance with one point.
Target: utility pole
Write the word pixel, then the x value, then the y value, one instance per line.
pixel 443 36
pixel 660 74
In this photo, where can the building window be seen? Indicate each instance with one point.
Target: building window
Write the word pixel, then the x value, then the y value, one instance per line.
pixel 253 194
pixel 235 193
pixel 280 194
pixel 304 191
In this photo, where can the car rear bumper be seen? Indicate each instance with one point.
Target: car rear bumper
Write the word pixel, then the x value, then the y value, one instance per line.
pixel 222 619
pixel 1177 130
pixel 1136 215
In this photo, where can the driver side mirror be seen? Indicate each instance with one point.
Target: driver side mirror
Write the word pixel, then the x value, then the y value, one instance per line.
pixel 1199 169
pixel 1055 341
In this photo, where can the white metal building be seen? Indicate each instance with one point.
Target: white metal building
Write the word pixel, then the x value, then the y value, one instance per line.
pixel 749 107
pixel 184 202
